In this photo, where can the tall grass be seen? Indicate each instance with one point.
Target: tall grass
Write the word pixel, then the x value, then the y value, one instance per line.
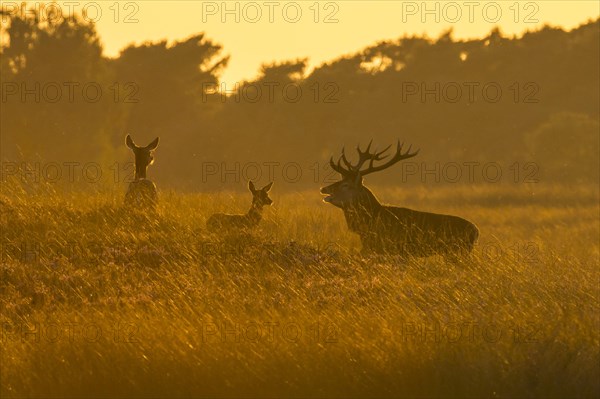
pixel 99 302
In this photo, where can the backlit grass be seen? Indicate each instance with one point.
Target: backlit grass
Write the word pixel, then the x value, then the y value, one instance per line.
pixel 98 302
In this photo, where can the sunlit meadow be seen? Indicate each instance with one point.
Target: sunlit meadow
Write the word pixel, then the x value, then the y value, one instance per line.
pixel 98 301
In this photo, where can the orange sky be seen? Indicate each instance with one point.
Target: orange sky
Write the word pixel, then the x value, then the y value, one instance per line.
pixel 265 31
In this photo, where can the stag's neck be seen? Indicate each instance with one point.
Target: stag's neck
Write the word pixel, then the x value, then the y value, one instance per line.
pixel 366 203
pixel 361 214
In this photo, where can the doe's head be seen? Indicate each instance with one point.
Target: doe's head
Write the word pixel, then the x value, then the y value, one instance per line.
pixel 143 156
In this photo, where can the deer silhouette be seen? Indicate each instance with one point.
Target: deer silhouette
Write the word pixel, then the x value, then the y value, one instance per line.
pixel 260 198
pixel 141 193
pixel 392 230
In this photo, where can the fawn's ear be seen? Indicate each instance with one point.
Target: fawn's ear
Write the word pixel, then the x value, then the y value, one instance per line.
pixel 251 187
pixel 130 142
pixel 153 145
pixel 267 188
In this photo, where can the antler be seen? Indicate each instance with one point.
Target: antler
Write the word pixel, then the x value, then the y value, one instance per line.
pixel 397 157
pixel 338 167
pixel 367 155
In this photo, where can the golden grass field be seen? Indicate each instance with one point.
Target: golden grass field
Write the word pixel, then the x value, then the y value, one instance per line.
pixel 98 302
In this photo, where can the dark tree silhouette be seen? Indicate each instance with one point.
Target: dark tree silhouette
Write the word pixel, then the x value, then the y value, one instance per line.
pixel 402 88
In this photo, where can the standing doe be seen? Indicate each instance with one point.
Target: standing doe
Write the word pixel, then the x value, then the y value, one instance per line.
pixel 388 229
pixel 260 198
pixel 141 193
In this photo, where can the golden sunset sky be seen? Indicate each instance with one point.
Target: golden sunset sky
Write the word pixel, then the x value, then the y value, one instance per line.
pixel 265 31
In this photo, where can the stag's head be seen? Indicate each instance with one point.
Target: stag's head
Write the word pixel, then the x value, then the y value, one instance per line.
pixel 260 197
pixel 143 156
pixel 347 192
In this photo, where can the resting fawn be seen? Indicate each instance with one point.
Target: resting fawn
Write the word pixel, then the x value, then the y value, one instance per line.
pixel 141 193
pixel 251 219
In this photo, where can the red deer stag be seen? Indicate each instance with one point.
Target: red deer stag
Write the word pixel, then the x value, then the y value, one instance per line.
pixel 141 193
pixel 260 198
pixel 392 230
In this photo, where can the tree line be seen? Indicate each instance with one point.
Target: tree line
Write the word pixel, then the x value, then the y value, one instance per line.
pixel 527 105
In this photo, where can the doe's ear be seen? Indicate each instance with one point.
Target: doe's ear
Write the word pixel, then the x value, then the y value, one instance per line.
pixel 251 186
pixel 267 188
pixel 153 145
pixel 130 142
